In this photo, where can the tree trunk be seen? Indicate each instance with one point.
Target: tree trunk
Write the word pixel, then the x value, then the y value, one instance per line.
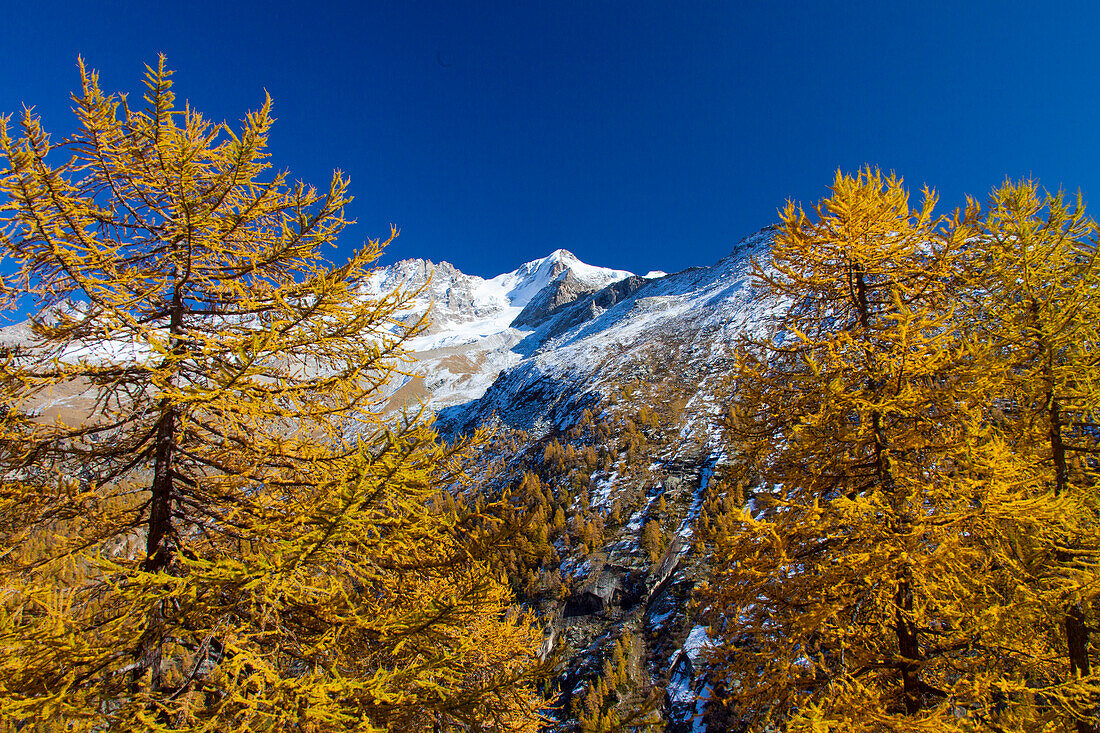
pixel 158 554
pixel 1057 447
pixel 159 547
pixel 905 629
pixel 1077 631
pixel 908 643
pixel 1077 638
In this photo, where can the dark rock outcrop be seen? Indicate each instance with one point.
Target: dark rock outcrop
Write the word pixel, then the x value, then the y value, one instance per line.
pixel 563 291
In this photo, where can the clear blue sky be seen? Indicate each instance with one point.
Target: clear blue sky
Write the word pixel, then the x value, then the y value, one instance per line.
pixel 639 135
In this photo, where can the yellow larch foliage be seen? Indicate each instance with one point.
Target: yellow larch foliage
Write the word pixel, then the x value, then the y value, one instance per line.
pixel 877 583
pixel 226 536
pixel 1034 294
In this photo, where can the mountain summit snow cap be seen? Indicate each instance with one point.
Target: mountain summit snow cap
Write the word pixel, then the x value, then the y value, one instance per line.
pixel 523 283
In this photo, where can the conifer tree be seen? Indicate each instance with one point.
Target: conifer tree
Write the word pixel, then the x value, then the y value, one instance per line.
pixel 229 537
pixel 653 541
pixel 1034 297
pixel 878 586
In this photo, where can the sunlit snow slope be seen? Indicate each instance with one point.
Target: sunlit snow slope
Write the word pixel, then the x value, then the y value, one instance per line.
pixel 531 347
pixel 477 323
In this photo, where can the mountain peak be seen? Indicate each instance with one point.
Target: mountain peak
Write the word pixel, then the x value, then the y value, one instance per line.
pixel 552 264
pixel 561 255
pixel 523 283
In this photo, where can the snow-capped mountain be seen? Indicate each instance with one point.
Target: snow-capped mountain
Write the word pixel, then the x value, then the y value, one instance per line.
pixel 602 337
pixel 580 356
pixel 531 346
pixel 477 323
pixel 457 298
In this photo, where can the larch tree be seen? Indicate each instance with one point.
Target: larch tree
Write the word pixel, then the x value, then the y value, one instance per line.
pixel 874 583
pixel 1034 298
pixel 222 533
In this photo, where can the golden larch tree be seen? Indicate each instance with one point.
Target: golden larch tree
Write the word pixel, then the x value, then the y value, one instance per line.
pixel 1034 298
pixel 226 535
pixel 874 585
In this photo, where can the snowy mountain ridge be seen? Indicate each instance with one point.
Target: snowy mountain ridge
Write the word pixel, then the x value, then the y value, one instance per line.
pixel 476 322
pixel 457 297
pixel 526 345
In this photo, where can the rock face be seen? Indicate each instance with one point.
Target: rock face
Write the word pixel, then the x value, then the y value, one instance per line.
pixel 453 296
pixel 562 291
pixel 613 588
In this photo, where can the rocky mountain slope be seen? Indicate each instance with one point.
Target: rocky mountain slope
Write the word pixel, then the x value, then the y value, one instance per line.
pixel 611 387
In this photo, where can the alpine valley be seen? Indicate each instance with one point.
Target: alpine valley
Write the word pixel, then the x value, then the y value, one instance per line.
pixel 605 391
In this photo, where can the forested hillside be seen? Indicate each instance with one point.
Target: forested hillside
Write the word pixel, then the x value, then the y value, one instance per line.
pixel 845 479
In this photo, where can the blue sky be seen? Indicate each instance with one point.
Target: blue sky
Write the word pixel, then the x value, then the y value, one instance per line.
pixel 639 135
